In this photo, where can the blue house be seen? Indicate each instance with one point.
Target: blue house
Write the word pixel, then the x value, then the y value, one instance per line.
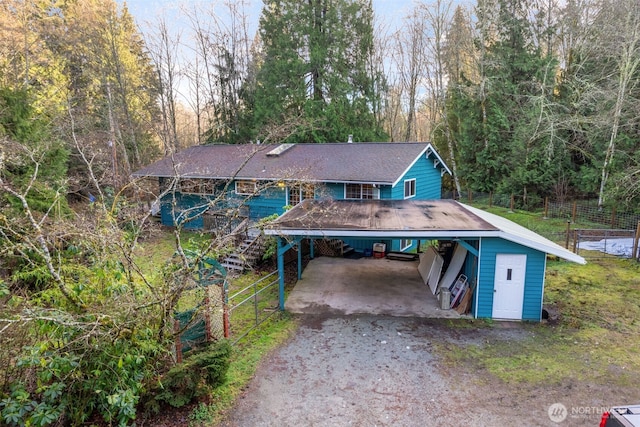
pixel 202 183
pixel 501 262
pixel 363 194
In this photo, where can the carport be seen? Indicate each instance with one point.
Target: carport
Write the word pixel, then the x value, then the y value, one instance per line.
pixel 494 247
pixel 366 285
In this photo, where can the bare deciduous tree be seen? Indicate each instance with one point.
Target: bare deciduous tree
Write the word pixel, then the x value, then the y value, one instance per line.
pixel 438 19
pixel 164 47
pixel 621 40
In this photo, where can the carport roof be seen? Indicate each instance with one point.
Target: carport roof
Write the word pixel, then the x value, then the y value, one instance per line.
pixel 406 219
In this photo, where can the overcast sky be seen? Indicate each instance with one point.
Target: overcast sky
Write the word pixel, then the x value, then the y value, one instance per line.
pixel 388 11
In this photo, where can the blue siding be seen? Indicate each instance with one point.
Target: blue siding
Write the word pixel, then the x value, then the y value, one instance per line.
pixel 272 200
pixel 392 245
pixel 361 244
pixel 386 192
pixel 534 277
pixel 470 270
pixel 428 181
pixel 188 210
pixel 332 191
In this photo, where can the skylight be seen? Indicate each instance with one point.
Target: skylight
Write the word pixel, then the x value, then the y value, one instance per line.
pixel 279 150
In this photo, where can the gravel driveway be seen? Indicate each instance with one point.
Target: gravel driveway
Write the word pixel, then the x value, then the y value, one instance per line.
pixel 383 371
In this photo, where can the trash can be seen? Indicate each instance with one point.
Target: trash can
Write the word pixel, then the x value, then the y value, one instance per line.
pixel 445 299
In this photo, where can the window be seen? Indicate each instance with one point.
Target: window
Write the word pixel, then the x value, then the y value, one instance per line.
pixel 405 244
pixel 361 191
pixel 197 186
pixel 299 193
pixel 245 187
pixel 409 188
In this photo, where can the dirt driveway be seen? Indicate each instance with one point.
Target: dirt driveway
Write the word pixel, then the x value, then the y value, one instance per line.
pixel 383 371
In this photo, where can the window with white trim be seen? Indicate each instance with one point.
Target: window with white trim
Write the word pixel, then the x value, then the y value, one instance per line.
pixel 405 244
pixel 298 193
pixel 361 191
pixel 245 187
pixel 409 188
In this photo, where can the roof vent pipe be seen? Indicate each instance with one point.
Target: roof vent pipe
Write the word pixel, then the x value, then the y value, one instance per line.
pixel 350 139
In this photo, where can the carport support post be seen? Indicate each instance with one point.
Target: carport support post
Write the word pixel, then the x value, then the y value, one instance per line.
pixel 299 259
pixel 281 252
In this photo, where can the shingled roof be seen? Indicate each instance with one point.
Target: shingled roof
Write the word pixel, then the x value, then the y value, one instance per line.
pixel 373 162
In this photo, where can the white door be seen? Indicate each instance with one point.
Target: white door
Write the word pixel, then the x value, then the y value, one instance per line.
pixel 508 286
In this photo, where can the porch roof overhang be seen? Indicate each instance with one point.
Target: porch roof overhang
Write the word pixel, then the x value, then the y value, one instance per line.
pixel 406 219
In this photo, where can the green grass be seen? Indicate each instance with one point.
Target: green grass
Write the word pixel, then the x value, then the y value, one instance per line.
pixel 597 332
pixel 553 228
pixel 244 317
pixel 250 350
pixel 246 358
pixel 595 336
pixel 155 251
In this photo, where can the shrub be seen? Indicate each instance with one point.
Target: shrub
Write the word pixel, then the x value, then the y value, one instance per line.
pixel 204 369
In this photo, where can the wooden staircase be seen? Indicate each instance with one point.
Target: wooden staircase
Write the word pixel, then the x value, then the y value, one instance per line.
pixel 247 254
pixel 334 248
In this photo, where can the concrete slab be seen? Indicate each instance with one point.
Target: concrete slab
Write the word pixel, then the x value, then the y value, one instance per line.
pixel 365 285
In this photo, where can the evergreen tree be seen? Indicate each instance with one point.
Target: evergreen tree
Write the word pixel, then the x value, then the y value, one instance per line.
pixel 501 129
pixel 314 71
pixel 112 88
pixel 32 161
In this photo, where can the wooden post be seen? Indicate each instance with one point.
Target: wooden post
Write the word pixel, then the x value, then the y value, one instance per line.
pixel 225 313
pixel 512 202
pixel 634 253
pixel 566 244
pixel 469 196
pixel 176 329
pixel 575 241
pixel 207 318
pixel 574 211
pixel 490 198
pixel 546 207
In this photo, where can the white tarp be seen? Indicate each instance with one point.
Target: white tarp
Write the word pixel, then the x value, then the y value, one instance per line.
pixel 430 268
pixel 619 247
pixel 426 262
